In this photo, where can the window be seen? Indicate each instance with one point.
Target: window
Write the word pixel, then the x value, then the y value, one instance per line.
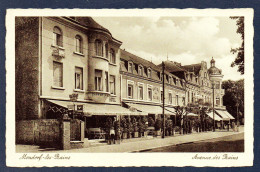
pixel 112 81
pixel 140 92
pixel 79 78
pixel 57 37
pixel 149 73
pixel 57 74
pixel 98 80
pixel 99 47
pixel 106 50
pixel 217 101
pixel 177 100
pixel 161 96
pixel 130 67
pixel 217 85
pixel 140 70
pixel 183 101
pixel 79 46
pixel 112 56
pixel 106 82
pixel 161 76
pixel 150 93
pixel 170 98
pixel 130 90
pixel 170 80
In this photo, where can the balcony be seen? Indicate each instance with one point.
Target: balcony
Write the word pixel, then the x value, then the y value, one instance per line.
pixel 98 96
pixel 58 53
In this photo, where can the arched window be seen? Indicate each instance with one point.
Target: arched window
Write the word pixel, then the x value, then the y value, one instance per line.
pixel 57 37
pixel 99 47
pixel 79 44
pixel 112 56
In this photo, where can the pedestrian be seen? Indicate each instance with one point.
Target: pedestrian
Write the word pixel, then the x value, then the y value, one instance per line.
pixel 112 135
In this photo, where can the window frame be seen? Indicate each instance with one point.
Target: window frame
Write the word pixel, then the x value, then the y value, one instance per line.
pixel 140 85
pixel 112 56
pixel 170 100
pixel 81 78
pixel 130 83
pixel 113 85
pixel 140 70
pixel 132 68
pixel 79 40
pixel 149 87
pixel 57 37
pixel 98 81
pixel 149 73
pixel 62 78
pixel 99 48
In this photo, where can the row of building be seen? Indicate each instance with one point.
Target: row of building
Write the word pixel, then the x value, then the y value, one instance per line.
pixel 57 58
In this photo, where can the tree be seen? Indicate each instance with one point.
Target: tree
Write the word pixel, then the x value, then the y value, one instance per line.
pixel 239 61
pixel 234 97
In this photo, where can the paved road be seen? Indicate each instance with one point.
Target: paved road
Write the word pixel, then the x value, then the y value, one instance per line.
pixel 232 143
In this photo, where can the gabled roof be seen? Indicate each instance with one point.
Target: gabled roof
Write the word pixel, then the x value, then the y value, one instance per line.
pixel 125 55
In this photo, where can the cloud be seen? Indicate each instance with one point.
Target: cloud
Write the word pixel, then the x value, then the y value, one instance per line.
pixel 186 40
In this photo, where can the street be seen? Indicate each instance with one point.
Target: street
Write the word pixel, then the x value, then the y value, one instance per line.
pixel 232 143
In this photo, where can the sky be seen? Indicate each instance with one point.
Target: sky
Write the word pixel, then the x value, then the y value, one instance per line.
pixel 187 40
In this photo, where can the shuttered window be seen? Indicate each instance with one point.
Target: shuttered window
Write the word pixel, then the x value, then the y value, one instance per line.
pixel 57 74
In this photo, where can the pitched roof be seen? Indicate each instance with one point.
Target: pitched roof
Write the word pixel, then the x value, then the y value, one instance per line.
pixel 193 68
pixel 171 66
pixel 125 55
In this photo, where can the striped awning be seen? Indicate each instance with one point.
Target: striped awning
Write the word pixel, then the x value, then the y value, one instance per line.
pixel 90 109
pixel 224 116
pixel 151 109
pixel 217 118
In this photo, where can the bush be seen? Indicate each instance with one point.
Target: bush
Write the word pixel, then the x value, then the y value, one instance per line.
pixel 135 127
pixel 141 126
pixel 130 126
pixel 150 122
pixel 124 125
pixel 158 124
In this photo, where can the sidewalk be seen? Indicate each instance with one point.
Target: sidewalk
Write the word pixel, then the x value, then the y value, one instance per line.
pixel 140 145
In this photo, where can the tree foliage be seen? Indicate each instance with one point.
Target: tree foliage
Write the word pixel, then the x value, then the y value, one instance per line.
pixel 234 96
pixel 239 61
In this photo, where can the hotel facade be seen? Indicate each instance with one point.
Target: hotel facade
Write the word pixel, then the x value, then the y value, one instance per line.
pixel 61 57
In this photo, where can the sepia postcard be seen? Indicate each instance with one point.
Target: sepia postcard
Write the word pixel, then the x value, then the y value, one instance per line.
pixel 129 87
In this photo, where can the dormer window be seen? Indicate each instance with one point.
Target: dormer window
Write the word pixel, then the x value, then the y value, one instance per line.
pixel 170 80
pixel 99 48
pixel 140 70
pixel 130 67
pixel 149 73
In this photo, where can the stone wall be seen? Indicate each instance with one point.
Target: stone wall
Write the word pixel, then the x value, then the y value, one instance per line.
pixel 45 132
pixel 26 67
pixel 49 133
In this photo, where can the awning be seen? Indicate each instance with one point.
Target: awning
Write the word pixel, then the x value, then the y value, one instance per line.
pixel 151 109
pixel 217 118
pixel 98 109
pixel 223 115
pixel 171 110
pixel 229 115
pixel 192 114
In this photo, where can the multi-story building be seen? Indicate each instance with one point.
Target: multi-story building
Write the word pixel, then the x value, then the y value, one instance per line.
pixel 142 87
pixel 58 57
pixel 63 62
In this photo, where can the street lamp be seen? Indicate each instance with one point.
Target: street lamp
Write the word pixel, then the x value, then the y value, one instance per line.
pixel 213 85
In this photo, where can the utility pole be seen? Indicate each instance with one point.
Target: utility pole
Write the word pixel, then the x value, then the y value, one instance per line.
pixel 213 107
pixel 163 100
